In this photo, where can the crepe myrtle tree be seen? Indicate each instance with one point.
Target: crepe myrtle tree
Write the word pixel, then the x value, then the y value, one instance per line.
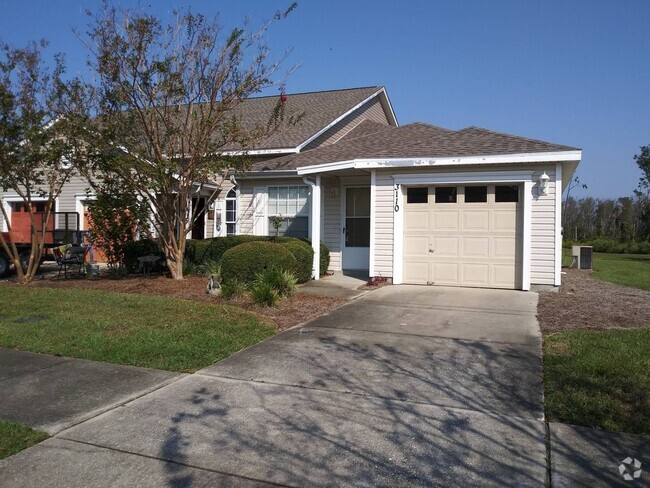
pixel 168 95
pixel 40 144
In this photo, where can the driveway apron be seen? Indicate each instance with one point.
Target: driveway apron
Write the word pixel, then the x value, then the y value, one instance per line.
pixel 406 385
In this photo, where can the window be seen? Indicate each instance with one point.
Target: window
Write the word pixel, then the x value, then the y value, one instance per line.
pixel 506 193
pixel 446 194
pixel 475 194
pixel 292 204
pixel 417 195
pixel 231 212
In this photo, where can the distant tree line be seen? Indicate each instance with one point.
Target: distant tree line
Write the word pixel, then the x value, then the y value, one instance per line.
pixel 625 220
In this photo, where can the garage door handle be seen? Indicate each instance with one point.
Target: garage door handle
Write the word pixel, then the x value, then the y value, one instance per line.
pixel 431 249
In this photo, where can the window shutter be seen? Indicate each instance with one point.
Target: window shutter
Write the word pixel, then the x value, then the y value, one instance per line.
pixel 260 205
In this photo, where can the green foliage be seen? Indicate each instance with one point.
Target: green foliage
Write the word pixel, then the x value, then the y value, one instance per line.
pixel 247 260
pixel 212 250
pixel 159 332
pixel 324 258
pixel 304 255
pixel 264 294
pixel 282 281
pixel 611 246
pixel 16 437
pixel 144 247
pixel 643 160
pixel 233 289
pixel 599 379
pixel 117 218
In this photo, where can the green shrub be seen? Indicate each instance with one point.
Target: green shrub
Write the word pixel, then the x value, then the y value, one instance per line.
pixel 264 294
pixel 324 258
pixel 233 289
pixel 612 246
pixel 282 281
pixel 204 250
pixel 144 247
pixel 304 255
pixel 245 261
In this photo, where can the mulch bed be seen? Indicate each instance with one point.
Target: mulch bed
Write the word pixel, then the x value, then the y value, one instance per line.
pixel 287 313
pixel 583 302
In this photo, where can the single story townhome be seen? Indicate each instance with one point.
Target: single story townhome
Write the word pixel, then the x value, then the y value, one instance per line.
pixel 415 203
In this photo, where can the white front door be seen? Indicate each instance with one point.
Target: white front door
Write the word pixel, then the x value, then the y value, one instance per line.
pixel 356 228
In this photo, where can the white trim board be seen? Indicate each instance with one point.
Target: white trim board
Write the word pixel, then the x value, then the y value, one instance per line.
pixel 558 225
pixel 11 198
pixel 524 176
pixel 367 164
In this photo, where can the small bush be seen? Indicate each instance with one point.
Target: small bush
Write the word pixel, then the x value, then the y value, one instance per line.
pixel 304 255
pixel 212 250
pixel 233 289
pixel 282 281
pixel 324 258
pixel 264 294
pixel 612 246
pixel 245 261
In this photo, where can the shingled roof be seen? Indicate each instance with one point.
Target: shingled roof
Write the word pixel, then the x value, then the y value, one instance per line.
pixel 318 110
pixel 417 140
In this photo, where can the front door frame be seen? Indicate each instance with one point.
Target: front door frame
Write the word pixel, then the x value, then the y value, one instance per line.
pixel 366 255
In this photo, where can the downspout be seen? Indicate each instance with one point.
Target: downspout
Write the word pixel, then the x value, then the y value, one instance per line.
pixel 315 224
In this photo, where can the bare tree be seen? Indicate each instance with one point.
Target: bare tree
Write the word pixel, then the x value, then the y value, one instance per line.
pixel 39 143
pixel 167 107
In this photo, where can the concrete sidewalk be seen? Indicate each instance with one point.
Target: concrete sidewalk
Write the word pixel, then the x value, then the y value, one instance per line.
pixel 53 393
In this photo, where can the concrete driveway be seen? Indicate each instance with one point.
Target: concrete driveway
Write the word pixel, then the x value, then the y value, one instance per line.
pixel 403 386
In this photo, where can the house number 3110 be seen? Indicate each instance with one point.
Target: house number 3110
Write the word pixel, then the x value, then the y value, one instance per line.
pixel 396 197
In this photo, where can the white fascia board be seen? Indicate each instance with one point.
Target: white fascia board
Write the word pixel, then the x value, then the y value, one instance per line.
pixel 390 107
pixel 367 164
pixel 337 120
pixel 261 152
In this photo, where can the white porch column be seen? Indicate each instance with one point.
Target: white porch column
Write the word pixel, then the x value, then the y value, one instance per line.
pixel 315 223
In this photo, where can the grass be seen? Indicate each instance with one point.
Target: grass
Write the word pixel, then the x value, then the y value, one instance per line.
pixel 623 269
pixel 599 379
pixel 16 437
pixel 139 330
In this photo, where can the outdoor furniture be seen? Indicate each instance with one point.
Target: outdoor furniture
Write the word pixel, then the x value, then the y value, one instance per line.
pixel 69 259
pixel 146 263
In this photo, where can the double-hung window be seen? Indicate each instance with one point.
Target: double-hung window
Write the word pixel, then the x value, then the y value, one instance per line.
pixel 291 204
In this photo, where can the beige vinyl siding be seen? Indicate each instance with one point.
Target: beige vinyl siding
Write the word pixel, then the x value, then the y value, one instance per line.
pixel 384 212
pixel 542 219
pixel 542 241
pixel 332 221
pixel 372 110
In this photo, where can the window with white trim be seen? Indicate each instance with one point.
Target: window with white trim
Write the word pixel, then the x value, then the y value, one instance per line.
pixel 292 204
pixel 231 212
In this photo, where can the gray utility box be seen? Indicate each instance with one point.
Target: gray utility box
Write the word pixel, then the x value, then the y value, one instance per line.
pixel 582 257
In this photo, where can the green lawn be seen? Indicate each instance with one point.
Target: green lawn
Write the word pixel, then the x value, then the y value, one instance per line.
pixel 156 332
pixel 599 379
pixel 623 269
pixel 16 437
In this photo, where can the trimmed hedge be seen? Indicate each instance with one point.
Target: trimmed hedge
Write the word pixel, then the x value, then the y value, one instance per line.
pixel 304 255
pixel 324 258
pixel 612 246
pixel 245 261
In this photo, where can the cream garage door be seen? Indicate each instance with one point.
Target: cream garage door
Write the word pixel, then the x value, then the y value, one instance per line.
pixel 463 236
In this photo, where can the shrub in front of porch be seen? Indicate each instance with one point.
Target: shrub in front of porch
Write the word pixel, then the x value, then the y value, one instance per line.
pixel 246 261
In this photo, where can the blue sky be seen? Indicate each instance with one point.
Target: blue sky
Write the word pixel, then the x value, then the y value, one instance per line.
pixel 567 71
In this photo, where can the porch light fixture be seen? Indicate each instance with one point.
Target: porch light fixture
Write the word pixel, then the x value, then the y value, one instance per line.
pixel 543 184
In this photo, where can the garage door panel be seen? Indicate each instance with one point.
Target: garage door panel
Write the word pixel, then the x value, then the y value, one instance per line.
pixel 476 247
pixel 417 220
pixel 445 246
pixel 477 274
pixel 416 271
pixel 504 220
pixel 445 220
pixel 416 246
pixel 504 247
pixel 504 275
pixel 476 220
pixel 446 273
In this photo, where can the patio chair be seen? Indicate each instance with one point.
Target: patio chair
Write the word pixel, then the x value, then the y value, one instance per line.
pixel 65 261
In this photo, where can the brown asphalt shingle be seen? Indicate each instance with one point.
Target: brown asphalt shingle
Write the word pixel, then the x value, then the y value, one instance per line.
pixel 416 140
pixel 318 109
